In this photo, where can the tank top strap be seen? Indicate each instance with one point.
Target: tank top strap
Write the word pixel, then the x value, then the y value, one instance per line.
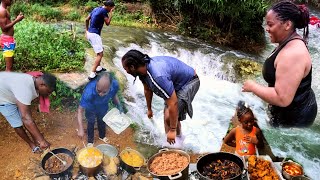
pixel 253 132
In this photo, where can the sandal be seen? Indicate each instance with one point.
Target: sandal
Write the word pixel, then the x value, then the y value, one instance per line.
pixel 36 150
pixel 105 140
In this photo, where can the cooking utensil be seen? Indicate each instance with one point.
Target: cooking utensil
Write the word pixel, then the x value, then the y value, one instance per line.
pixel 181 175
pixel 288 176
pixel 90 171
pixel 130 169
pixel 300 178
pixel 69 166
pixel 108 150
pixel 63 162
pixel 208 158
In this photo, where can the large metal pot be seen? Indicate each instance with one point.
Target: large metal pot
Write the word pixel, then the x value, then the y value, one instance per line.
pixel 300 178
pixel 131 169
pixel 288 176
pixel 90 171
pixel 108 150
pixel 182 175
pixel 58 151
pixel 209 158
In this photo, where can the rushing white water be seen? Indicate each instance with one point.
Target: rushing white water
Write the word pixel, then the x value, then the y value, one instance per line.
pixel 215 102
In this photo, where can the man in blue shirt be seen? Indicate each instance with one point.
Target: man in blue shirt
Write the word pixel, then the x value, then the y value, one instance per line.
pixel 94 24
pixel 94 102
pixel 171 79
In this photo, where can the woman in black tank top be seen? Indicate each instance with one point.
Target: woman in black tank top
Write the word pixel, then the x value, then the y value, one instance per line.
pixel 288 69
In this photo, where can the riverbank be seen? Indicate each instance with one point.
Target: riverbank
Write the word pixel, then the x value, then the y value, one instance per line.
pixel 59 128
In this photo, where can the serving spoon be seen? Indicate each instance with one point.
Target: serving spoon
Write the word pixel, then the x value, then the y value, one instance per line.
pixel 63 162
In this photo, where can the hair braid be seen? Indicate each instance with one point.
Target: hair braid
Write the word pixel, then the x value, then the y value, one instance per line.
pixel 297 14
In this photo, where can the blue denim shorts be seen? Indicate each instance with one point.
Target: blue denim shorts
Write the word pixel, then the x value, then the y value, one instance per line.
pixel 12 114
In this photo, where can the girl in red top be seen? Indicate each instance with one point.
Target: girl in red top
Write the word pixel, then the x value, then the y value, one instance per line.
pixel 245 136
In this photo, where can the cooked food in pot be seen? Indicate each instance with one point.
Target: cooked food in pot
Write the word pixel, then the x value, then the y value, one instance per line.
pixel 90 157
pixel 221 169
pixel 261 169
pixel 54 165
pixel 168 164
pixel 132 158
pixel 292 170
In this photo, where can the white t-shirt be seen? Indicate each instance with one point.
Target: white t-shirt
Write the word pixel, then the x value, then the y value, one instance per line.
pixel 17 87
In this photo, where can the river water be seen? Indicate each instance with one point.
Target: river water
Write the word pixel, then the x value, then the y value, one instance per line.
pixel 215 102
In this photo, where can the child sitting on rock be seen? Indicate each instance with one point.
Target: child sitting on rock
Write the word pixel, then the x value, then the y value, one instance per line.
pixel 246 135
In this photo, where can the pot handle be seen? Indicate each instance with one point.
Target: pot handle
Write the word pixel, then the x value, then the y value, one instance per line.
pixel 283 160
pixel 175 176
pixel 128 148
pixel 163 150
pixel 137 168
pixel 244 173
pixel 38 164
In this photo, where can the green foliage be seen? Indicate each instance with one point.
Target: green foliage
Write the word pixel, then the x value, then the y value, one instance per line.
pixel 73 15
pixel 77 3
pixel 42 47
pixel 246 68
pixel 44 2
pixel 90 5
pixel 65 97
pixel 23 7
pixel 234 19
pixel 122 17
pixel 134 126
pixel 45 13
pixel 36 11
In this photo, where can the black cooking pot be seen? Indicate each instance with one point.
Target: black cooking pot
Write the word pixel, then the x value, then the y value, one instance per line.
pixel 58 151
pixel 209 158
pixel 127 167
pixel 182 175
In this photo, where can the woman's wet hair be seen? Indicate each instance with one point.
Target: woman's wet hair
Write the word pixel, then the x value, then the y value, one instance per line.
pixel 135 58
pixel 297 14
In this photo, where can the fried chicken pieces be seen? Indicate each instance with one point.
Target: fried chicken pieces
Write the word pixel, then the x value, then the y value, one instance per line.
pixel 260 169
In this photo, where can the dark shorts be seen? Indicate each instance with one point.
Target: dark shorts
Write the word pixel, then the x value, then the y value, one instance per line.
pixel 185 97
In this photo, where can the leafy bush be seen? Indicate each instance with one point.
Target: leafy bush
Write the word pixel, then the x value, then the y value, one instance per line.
pixel 46 13
pixel 65 97
pixel 42 47
pixel 73 15
pixel 90 5
pixel 36 11
pixel 23 7
pixel 234 19
pixel 77 3
pixel 44 2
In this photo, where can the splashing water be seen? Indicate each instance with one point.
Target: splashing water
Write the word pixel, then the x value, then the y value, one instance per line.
pixel 215 103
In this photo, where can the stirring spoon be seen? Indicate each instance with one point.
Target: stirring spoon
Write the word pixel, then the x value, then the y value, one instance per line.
pixel 63 162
